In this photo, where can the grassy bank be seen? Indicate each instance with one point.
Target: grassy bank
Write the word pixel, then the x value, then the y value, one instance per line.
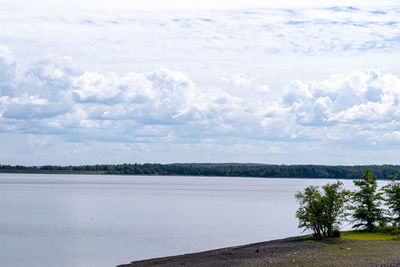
pixel 352 249
pixel 365 236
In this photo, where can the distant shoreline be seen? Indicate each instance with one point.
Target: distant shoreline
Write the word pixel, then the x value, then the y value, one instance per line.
pixel 215 170
pixel 50 172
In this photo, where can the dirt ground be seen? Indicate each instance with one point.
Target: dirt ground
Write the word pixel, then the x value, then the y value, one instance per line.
pixel 294 251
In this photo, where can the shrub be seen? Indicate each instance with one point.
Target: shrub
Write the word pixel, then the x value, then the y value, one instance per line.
pixel 322 212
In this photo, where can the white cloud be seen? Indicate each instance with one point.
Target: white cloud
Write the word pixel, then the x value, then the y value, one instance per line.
pixel 356 97
pixel 239 75
pixel 95 87
pixel 54 100
pixel 263 88
pixel 191 4
pixel 167 106
pixel 237 80
pixel 7 71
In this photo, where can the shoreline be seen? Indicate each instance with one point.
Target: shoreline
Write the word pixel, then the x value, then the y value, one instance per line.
pixel 267 252
pixel 296 171
pixel 288 252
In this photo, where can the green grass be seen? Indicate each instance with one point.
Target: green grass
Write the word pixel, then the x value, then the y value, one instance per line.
pixel 364 236
pixel 353 248
pixel 345 252
pixel 355 235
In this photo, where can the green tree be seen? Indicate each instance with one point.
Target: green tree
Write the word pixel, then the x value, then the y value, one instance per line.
pixel 310 210
pixel 334 200
pixel 392 193
pixel 322 212
pixel 367 213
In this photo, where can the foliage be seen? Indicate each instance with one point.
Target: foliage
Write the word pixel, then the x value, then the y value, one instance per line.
pixel 366 209
pixel 322 212
pixel 216 169
pixel 311 210
pixel 334 201
pixel 392 193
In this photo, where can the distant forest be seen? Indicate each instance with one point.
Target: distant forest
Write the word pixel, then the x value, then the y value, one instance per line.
pixel 216 169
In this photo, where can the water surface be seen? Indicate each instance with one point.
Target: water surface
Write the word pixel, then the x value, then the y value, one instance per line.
pixel 94 220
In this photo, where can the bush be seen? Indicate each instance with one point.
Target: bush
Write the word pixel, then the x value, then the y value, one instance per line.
pixel 322 212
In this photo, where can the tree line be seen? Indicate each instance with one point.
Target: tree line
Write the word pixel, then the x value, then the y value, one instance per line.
pixel 369 209
pixel 216 169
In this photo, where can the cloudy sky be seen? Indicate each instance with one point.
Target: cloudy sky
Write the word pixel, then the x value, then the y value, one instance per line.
pixel 199 81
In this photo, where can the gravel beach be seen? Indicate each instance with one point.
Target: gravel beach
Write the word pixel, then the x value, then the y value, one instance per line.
pixel 265 252
pixel 293 251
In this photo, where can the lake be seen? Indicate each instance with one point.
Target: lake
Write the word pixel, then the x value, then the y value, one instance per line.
pixel 98 220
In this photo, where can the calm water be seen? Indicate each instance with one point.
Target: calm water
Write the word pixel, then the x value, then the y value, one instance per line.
pixel 90 220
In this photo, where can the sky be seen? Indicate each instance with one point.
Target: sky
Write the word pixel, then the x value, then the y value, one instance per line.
pixel 280 82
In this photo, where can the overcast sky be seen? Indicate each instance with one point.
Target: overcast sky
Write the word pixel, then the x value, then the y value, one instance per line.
pixel 87 82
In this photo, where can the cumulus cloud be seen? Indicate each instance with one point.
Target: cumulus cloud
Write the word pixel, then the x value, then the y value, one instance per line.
pixel 95 87
pixel 166 106
pixel 159 105
pixel 345 98
pixel 233 77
